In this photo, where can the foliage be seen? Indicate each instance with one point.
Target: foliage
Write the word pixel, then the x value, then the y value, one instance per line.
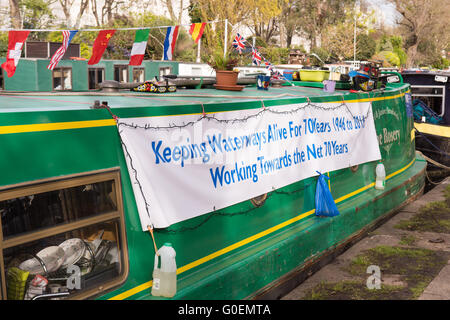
pixel 365 47
pixel 323 54
pixel 425 29
pixel 391 57
pixel 441 63
pixel 36 15
pixel 219 61
pixel 276 55
pixel 3 43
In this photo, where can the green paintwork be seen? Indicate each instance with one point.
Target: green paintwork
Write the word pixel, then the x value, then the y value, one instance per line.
pixel 241 272
pixel 33 75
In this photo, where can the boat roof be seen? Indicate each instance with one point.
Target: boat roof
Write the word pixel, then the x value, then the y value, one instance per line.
pixel 51 101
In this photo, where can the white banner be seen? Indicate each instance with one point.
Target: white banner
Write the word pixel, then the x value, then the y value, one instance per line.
pixel 185 166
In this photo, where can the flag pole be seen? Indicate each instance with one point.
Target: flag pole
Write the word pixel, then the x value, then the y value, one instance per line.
pixel 198 50
pixel 226 39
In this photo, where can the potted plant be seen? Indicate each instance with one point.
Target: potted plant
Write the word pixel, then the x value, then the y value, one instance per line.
pixel 226 76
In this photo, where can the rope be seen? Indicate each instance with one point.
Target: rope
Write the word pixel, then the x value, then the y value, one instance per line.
pixel 434 146
pixel 121 29
pixel 437 164
pixel 431 181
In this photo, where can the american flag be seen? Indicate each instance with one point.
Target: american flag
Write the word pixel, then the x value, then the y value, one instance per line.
pixel 67 37
pixel 239 43
pixel 256 57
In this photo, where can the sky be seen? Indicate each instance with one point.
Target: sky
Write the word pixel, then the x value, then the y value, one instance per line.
pixel 385 9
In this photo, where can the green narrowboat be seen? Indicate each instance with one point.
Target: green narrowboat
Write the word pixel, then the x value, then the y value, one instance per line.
pixel 66 182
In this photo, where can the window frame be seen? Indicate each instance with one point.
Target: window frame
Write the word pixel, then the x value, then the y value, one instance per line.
pixel 162 72
pixel 138 69
pixel 2 80
pixel 120 67
pixel 46 185
pixel 62 79
pixel 96 76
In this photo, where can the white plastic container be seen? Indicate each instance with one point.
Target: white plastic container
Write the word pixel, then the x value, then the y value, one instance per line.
pixel 165 277
pixel 380 177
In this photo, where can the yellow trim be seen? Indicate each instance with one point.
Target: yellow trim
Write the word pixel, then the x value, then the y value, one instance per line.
pixel 110 122
pixel 443 131
pixel 56 126
pixel 257 236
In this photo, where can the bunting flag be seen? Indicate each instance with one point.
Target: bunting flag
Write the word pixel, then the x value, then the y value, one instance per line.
pixel 196 30
pixel 100 45
pixel 239 43
pixel 169 42
pixel 256 57
pixel 57 56
pixel 16 39
pixel 139 46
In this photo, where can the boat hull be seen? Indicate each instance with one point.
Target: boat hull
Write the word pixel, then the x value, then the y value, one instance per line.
pixel 241 251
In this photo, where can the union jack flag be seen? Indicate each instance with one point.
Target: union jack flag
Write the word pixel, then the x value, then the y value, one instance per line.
pixel 276 75
pixel 256 57
pixel 67 37
pixel 239 43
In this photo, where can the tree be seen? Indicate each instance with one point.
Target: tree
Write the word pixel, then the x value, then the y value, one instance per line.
pixel 338 38
pixel 14 10
pixel 315 15
pixel 169 4
pixel 235 11
pixel 424 24
pixel 365 47
pixel 289 19
pixel 264 17
pixel 36 15
pixel 105 13
pixel 68 9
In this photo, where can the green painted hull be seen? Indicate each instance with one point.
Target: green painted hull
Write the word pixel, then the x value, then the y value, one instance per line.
pixel 240 251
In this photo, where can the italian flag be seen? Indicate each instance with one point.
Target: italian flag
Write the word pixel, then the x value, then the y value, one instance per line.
pixel 139 45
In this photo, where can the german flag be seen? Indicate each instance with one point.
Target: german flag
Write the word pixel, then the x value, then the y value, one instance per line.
pixel 196 30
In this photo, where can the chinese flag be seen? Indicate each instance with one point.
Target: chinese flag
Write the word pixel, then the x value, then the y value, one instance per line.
pixel 16 40
pixel 100 45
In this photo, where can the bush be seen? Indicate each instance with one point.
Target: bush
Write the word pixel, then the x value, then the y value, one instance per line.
pixel 441 63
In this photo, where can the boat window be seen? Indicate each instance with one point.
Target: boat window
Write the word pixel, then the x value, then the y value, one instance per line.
pixel 121 73
pixel 164 70
pixel 2 84
pixel 138 74
pixel 95 76
pixel 62 79
pixel 70 242
pixel 432 96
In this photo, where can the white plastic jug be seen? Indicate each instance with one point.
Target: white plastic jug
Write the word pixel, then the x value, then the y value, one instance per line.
pixel 380 177
pixel 165 277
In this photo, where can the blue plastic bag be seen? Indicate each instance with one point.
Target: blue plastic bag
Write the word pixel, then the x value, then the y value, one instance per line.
pixel 325 205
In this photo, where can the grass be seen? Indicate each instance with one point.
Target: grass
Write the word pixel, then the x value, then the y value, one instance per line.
pixel 433 217
pixel 417 267
pixel 407 240
pixel 352 290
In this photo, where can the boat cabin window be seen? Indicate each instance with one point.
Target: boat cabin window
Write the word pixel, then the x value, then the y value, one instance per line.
pixel 432 96
pixel 62 79
pixel 138 74
pixel 164 70
pixel 63 237
pixel 2 84
pixel 121 73
pixel 95 76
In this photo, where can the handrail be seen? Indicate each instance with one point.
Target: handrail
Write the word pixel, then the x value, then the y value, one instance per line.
pixel 395 73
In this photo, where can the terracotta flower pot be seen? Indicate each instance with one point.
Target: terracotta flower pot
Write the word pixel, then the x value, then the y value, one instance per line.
pixel 226 78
